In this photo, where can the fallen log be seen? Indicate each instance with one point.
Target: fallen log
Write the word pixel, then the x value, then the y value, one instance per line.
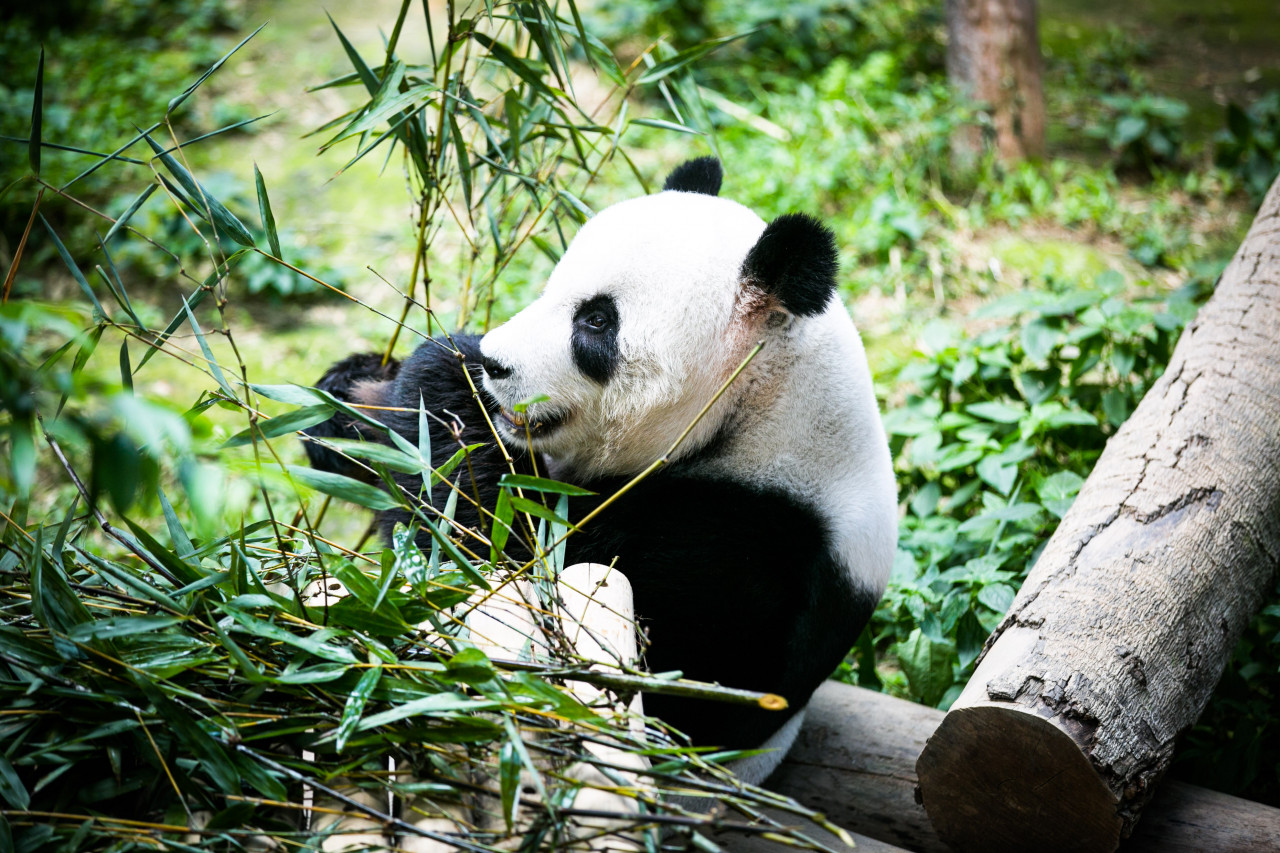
pixel 1116 640
pixel 855 762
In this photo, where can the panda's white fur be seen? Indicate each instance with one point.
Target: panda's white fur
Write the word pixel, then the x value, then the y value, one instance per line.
pixel 759 551
pixel 804 412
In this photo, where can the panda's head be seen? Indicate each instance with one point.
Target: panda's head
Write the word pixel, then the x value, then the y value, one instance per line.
pixel 654 304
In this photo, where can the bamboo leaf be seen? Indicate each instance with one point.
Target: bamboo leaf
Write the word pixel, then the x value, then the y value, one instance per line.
pixel 194 300
pixel 213 758
pixel 82 357
pixel 60 538
pixel 190 90
pixel 256 775
pixel 224 221
pixel 126 373
pixel 98 313
pixel 441 473
pixel 667 67
pixel 313 643
pixel 112 157
pixel 439 703
pixel 122 626
pixel 503 515
pixel 247 666
pixel 355 705
pixel 294 395
pixel 665 125
pixel 517 743
pixel 181 570
pixel 367 592
pixel 424 430
pixel 370 80
pixel 297 395
pixel 37 117
pixel 12 791
pixel 346 488
pixel 22 456
pixel 518 66
pixel 464 162
pixel 208 353
pixel 509 781
pixel 539 484
pixel 264 211
pixel 557 531
pixel 394 105
pixel 318 674
pixel 116 285
pixel 181 542
pixel 127 579
pixel 393 458
pixel 54 604
pixel 536 509
pixel 281 425
pixel 451 550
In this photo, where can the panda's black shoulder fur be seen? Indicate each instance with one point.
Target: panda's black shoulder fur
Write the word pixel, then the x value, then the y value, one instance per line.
pixel 733 583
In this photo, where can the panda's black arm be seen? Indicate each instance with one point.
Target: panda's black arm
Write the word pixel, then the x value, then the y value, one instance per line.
pixel 358 378
pixel 435 378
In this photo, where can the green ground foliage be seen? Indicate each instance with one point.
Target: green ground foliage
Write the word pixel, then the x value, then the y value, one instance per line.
pixel 157 656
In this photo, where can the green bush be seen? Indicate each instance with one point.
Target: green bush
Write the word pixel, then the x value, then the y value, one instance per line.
pixel 1234 744
pixel 783 43
pixel 1250 144
pixel 107 62
pixel 992 442
pixel 1143 131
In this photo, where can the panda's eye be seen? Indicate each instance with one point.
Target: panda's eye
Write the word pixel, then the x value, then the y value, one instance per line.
pixel 595 336
pixel 596 316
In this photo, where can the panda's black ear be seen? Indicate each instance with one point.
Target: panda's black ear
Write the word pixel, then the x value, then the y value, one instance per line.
pixel 702 175
pixel 795 262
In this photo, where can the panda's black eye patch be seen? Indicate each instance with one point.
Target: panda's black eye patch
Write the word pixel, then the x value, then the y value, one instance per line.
pixel 595 337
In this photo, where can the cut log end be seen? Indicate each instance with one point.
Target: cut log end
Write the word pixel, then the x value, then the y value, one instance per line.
pixel 1037 791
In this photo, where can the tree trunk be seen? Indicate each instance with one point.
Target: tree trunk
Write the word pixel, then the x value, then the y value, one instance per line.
pixel 993 57
pixel 855 762
pixel 1122 629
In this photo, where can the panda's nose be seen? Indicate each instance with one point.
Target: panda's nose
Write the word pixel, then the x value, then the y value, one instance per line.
pixel 494 369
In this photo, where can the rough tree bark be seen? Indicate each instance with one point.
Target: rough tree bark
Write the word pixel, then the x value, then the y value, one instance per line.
pixel 1122 629
pixel 993 56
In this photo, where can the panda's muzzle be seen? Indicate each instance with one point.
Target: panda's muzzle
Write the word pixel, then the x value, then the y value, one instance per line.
pixel 535 424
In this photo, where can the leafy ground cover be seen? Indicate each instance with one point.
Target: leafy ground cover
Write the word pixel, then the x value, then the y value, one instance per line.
pixel 1015 315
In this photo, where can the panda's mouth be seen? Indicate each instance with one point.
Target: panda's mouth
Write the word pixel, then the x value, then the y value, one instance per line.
pixel 535 424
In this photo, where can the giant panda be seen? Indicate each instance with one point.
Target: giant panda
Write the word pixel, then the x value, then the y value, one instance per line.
pixel 759 550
